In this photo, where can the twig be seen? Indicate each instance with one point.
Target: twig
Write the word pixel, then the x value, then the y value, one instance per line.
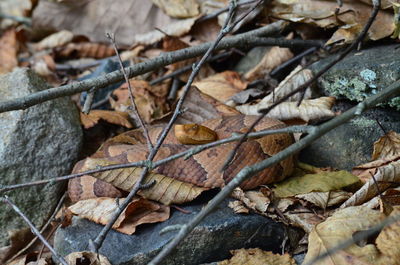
pixel 223 10
pixel 240 40
pixel 88 102
pixel 34 230
pixel 131 96
pixel 97 243
pixel 293 60
pixel 304 86
pixel 391 91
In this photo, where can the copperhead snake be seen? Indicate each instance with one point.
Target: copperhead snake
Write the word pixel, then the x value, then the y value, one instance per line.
pixel 202 169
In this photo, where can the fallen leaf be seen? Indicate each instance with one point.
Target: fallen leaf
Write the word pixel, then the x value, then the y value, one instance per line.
pixel 272 58
pixel 30 259
pixel 254 200
pixel 339 227
pixel 309 110
pixel 325 199
pixel 387 146
pixel 256 256
pixel 54 40
pixel 221 86
pixel 179 8
pixel 238 207
pixel 321 182
pixel 18 8
pixel 166 190
pixel 9 47
pixel 85 257
pixel 85 50
pixel 384 177
pixel 114 117
pixel 139 211
pixel 18 239
pixel 388 240
pixel 246 95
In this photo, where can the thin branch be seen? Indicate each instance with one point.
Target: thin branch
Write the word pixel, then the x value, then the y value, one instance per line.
pixel 34 230
pixel 240 40
pixel 249 171
pixel 131 96
pixel 304 86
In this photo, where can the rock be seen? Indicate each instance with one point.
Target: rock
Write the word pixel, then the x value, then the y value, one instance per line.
pixel 351 144
pixel 40 142
pixel 361 74
pixel 210 241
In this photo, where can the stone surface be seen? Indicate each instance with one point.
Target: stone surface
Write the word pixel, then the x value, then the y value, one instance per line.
pixel 351 144
pixel 40 142
pixel 210 241
pixel 362 73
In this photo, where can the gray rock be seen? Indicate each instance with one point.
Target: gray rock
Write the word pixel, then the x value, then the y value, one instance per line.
pixel 251 59
pixel 37 143
pixel 210 241
pixel 361 74
pixel 351 144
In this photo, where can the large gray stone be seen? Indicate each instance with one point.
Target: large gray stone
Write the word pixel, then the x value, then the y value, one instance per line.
pixel 210 241
pixel 361 74
pixel 40 142
pixel 351 144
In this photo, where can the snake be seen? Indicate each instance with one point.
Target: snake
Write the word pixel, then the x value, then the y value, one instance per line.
pixel 202 169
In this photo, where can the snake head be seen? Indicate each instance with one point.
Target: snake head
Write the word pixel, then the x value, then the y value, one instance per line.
pixel 194 134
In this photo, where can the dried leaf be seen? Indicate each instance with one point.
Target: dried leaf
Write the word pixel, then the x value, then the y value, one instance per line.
pixel 221 86
pixel 85 50
pixel 309 110
pixel 18 8
pixel 325 199
pixel 166 190
pixel 114 117
pixel 179 8
pixel 139 211
pixel 27 260
pixel 238 207
pixel 54 40
pixel 256 256
pixel 387 146
pixel 9 47
pixel 18 239
pixel 254 200
pixel 388 240
pixel 143 14
pixel 384 176
pixel 91 258
pixel 272 58
pixel 321 182
pixel 340 226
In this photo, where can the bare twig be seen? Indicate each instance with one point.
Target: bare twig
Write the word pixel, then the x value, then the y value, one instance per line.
pixel 131 96
pixel 34 230
pixel 304 86
pixel 88 102
pixel 240 40
pixel 391 91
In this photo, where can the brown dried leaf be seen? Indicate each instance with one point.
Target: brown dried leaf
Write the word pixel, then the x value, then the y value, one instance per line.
pixel 325 199
pixel 352 17
pixel 139 211
pixel 388 240
pixel 166 190
pixel 54 40
pixel 77 258
pixel 272 58
pixel 254 200
pixel 256 256
pixel 114 117
pixel 238 207
pixel 309 110
pixel 221 86
pixel 9 47
pixel 27 260
pixel 179 8
pixel 18 239
pixel 137 20
pixel 340 226
pixel 387 146
pixel 84 50
pixel 18 8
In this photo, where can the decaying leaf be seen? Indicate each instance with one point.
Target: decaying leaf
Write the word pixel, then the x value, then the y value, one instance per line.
pixel 256 256
pixel 31 259
pixel 309 110
pixel 272 58
pixel 325 199
pixel 18 8
pixel 322 182
pixel 18 239
pixel 114 117
pixel 254 200
pixel 221 86
pixel 384 176
pixel 139 211
pixel 352 17
pixel 339 227
pixel 54 40
pixel 9 47
pixel 85 50
pixel 85 257
pixel 238 207
pixel 388 240
pixel 178 8
pixel 387 146
pixel 166 190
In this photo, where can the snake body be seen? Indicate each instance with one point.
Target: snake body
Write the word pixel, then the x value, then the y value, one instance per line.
pixel 202 169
